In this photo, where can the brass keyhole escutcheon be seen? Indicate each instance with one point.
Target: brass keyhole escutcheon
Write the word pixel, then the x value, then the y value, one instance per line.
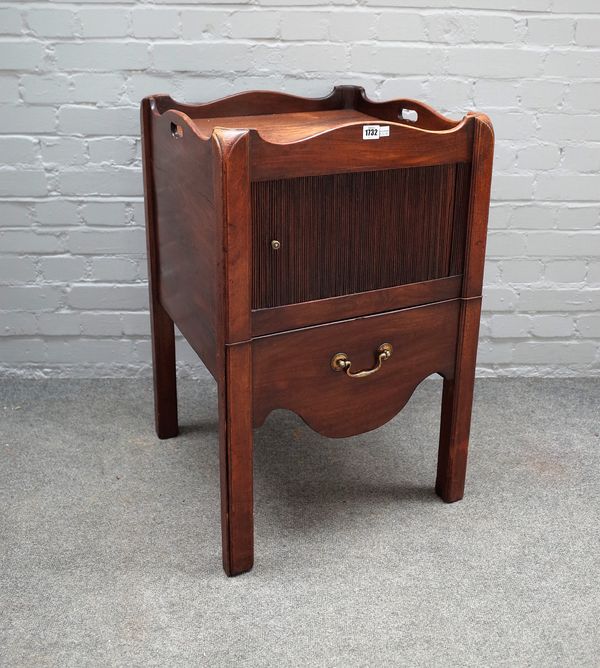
pixel 275 245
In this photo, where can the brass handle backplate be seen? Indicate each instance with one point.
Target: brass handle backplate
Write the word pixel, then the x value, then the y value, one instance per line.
pixel 340 362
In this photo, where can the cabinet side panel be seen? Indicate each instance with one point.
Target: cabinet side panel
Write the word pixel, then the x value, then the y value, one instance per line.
pixel 186 232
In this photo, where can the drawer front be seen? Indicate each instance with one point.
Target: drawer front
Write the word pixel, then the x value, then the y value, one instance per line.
pixel 316 237
pixel 294 370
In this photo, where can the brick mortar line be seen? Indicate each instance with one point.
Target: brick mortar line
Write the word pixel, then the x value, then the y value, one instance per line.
pixel 547 13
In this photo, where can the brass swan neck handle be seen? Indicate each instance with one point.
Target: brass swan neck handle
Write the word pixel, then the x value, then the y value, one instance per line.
pixel 340 362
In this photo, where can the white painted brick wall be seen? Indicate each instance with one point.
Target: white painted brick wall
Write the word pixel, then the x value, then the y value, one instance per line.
pixel 73 294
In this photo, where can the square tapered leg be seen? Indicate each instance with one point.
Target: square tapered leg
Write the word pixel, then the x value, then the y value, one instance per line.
pixel 236 461
pixel 165 381
pixel 457 402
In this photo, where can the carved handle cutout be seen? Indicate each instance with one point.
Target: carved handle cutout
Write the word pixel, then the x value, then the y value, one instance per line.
pixel 176 130
pixel 409 115
pixel 340 362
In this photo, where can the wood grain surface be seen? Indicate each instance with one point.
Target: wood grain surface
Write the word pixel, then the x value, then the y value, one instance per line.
pixel 292 370
pixel 349 233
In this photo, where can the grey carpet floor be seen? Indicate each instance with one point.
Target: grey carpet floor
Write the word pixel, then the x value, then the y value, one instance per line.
pixel 110 539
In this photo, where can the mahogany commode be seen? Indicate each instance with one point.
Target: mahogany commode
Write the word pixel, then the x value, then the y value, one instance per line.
pixel 320 255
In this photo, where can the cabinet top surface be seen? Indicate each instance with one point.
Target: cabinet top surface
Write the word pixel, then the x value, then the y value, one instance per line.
pixel 282 119
pixel 281 128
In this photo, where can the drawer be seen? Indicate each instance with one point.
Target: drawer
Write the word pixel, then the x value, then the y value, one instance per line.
pixel 294 370
pixel 318 237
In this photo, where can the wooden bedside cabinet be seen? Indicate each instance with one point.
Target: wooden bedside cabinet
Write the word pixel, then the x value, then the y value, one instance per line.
pixel 320 255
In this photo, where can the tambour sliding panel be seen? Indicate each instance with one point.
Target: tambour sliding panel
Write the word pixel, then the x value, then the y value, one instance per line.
pixel 342 234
